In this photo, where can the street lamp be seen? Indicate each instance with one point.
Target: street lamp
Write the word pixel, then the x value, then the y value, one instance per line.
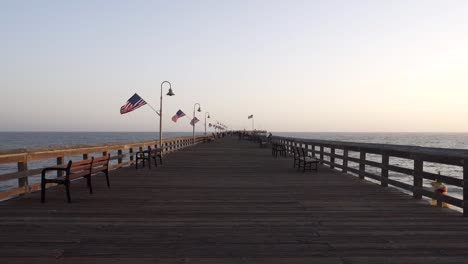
pixel 193 120
pixel 169 93
pixel 205 120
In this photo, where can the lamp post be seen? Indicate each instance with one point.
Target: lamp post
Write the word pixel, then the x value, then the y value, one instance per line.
pixel 169 93
pixel 193 120
pixel 205 120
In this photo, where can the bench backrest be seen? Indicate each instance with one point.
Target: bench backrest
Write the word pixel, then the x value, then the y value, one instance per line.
pixel 101 163
pixel 78 169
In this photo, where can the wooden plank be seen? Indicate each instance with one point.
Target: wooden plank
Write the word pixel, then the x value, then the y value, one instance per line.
pixel 229 202
pixel 13 158
pixel 17 175
pixel 417 178
pixel 366 162
pixel 60 162
pixel 384 170
pixel 119 153
pixel 23 155
pixel 345 160
pixel 442 178
pixel 438 155
pixel 321 154
pixel 400 169
pixel 465 187
pixel 362 165
pixel 23 181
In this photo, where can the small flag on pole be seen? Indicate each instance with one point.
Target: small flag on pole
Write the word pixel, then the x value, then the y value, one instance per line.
pixel 133 103
pixel 250 116
pixel 178 115
pixel 194 121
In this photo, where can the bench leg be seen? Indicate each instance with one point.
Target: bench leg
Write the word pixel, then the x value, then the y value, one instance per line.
pixel 43 186
pixel 67 187
pixel 90 186
pixel 107 178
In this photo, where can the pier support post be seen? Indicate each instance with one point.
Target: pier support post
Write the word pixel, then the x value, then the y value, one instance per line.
pixel 85 156
pixel 60 161
pixel 130 151
pixel 465 187
pixel 119 153
pixel 417 178
pixel 384 171
pixel 321 154
pixel 362 165
pixel 345 160
pixel 332 157
pixel 23 182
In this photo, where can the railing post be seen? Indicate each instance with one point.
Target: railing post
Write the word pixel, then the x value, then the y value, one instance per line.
pixel 465 187
pixel 130 151
pixel 321 154
pixel 417 178
pixel 119 153
pixel 362 166
pixel 23 181
pixel 345 160
pixel 332 157
pixel 60 161
pixel 384 171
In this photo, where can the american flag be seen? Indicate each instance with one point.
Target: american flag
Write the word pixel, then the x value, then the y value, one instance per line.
pixel 178 115
pixel 194 121
pixel 250 116
pixel 133 103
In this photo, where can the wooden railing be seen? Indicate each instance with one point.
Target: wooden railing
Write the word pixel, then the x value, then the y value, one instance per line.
pixel 122 153
pixel 382 155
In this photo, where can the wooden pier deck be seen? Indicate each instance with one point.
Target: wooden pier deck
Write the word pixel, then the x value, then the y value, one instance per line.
pixel 229 202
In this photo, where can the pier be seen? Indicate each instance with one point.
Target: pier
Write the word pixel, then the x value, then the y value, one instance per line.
pixel 230 201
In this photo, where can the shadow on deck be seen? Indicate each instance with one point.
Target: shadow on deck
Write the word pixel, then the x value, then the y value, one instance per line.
pixel 229 202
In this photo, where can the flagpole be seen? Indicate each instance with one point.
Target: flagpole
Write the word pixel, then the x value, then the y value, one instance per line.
pixel 193 120
pixel 152 108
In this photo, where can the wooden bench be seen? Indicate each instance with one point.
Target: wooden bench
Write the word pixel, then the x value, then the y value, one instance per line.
pixel 147 155
pixel 278 148
pixel 303 159
pixel 75 170
pixel 101 164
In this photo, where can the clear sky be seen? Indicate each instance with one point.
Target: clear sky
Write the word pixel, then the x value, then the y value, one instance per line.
pixel 295 65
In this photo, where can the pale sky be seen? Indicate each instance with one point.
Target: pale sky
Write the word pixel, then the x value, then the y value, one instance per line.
pixel 343 66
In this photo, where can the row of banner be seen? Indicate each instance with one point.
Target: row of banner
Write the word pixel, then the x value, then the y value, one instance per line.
pixel 136 102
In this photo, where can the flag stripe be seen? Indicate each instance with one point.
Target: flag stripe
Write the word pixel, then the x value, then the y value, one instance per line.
pixel 178 115
pixel 133 103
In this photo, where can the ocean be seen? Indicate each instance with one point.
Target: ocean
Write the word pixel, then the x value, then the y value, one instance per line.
pixel 9 140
